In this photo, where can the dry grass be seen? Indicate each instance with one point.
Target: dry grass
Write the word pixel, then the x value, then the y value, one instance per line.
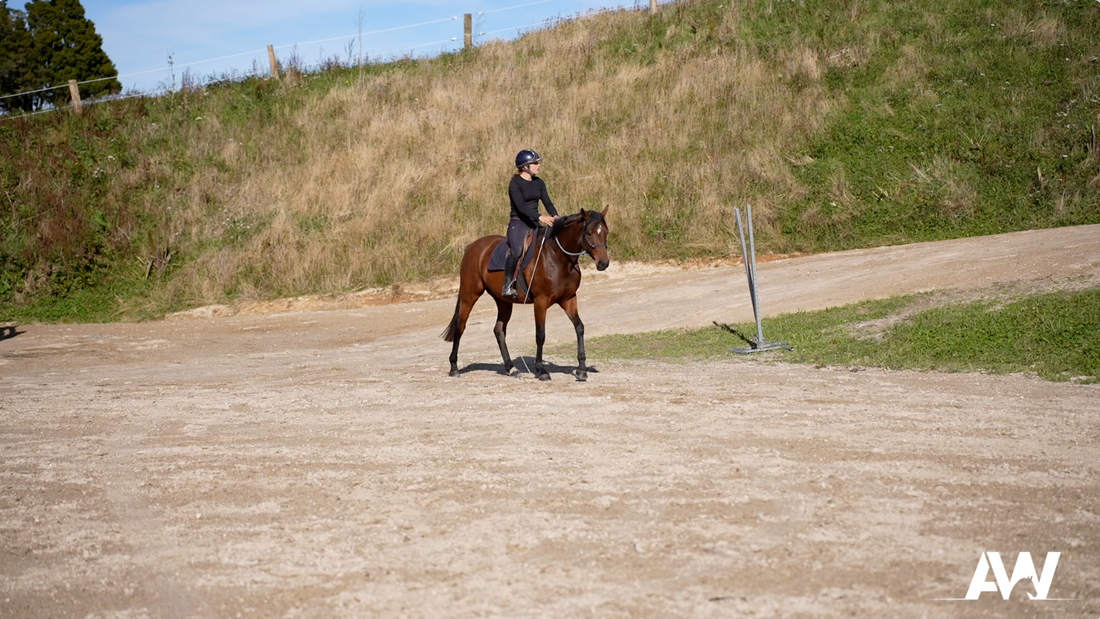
pixel 843 126
pixel 374 198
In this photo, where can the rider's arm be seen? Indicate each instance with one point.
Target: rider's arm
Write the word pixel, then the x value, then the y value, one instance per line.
pixel 546 201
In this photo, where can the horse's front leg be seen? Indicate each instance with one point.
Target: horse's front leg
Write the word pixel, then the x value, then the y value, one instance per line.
pixel 570 307
pixel 500 330
pixel 540 338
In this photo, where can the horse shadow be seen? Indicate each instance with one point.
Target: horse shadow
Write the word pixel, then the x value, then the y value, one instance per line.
pixel 8 332
pixel 525 365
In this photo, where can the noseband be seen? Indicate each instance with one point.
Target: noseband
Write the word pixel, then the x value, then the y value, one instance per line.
pixel 584 239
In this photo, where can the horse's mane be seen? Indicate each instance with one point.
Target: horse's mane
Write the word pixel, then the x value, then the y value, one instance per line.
pixel 562 222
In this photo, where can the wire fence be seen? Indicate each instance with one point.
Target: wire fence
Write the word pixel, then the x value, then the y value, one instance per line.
pixel 387 55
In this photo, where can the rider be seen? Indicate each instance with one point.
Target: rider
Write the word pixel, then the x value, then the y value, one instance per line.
pixel 525 190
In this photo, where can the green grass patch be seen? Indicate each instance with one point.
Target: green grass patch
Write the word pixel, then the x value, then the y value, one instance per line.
pixel 1054 335
pixel 98 303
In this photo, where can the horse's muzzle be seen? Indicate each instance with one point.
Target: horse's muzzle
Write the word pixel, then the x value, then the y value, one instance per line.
pixel 602 265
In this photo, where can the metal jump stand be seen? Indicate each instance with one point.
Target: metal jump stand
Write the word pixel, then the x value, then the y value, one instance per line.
pixel 759 344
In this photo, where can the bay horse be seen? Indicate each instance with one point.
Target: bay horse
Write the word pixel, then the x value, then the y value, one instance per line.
pixel 553 276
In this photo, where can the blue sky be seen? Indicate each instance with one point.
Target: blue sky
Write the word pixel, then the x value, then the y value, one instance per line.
pixel 140 35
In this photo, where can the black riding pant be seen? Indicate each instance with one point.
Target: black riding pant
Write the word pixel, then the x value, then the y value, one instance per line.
pixel 517 231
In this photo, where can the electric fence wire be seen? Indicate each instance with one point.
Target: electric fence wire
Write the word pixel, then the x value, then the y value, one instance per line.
pixel 555 20
pixel 518 6
pixel 258 51
pixel 345 37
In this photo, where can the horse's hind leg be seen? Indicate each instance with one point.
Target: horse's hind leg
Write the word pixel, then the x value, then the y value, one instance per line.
pixel 500 330
pixel 458 324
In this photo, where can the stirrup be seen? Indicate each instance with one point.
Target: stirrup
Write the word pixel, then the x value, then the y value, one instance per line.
pixel 509 290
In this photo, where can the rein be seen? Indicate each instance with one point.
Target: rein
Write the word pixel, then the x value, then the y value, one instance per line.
pixel 583 240
pixel 527 297
pixel 582 252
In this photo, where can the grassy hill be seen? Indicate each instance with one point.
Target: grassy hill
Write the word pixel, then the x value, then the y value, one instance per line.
pixel 844 123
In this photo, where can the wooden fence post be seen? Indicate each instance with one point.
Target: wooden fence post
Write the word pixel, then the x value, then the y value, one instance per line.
pixel 652 7
pixel 271 59
pixel 74 92
pixel 468 29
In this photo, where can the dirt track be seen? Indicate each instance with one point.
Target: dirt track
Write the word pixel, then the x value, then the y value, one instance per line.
pixel 321 463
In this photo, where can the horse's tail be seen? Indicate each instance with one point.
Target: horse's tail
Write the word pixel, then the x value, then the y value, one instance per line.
pixel 451 331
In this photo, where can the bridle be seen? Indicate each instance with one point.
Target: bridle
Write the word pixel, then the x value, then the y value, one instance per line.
pixel 584 239
pixel 557 239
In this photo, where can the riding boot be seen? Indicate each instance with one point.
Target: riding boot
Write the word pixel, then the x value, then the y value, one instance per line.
pixel 509 289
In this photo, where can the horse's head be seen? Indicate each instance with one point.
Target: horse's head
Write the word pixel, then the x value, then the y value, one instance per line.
pixel 594 237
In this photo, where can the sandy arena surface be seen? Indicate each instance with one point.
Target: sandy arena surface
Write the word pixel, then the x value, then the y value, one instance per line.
pixel 234 462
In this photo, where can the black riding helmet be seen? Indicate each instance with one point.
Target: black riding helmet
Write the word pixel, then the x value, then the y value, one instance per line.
pixel 526 157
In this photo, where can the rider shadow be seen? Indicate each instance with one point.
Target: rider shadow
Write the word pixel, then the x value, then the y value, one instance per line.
pixel 525 365
pixel 6 333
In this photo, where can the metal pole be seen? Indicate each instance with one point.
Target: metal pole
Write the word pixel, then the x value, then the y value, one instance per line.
pixel 759 344
pixel 755 294
pixel 745 254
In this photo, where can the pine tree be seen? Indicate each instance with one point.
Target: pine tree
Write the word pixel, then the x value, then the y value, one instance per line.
pixel 16 63
pixel 66 47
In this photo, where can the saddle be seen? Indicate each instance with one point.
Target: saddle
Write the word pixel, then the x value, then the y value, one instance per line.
pixel 500 252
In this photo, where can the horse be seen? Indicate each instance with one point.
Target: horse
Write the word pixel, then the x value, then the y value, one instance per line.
pixel 553 277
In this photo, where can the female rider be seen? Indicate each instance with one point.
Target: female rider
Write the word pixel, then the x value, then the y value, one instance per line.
pixel 525 190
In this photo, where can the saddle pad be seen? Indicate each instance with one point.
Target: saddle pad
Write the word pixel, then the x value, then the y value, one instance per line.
pixel 500 252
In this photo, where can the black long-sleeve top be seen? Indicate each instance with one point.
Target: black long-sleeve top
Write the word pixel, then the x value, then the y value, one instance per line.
pixel 525 196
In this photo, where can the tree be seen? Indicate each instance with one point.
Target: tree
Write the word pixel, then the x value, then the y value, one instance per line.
pixel 66 47
pixel 16 63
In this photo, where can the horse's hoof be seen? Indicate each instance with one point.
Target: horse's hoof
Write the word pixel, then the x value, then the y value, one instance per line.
pixel 513 372
pixel 544 376
pixel 454 374
pixel 581 376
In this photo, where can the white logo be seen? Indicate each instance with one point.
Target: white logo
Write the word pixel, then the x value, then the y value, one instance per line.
pixel 1024 568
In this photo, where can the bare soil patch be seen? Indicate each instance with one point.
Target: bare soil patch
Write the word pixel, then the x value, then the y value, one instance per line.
pixel 284 461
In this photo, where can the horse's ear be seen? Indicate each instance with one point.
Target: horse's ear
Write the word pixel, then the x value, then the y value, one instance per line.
pixel 582 213
pixel 604 213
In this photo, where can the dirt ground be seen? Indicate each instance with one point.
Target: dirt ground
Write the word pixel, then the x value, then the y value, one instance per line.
pixel 291 460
